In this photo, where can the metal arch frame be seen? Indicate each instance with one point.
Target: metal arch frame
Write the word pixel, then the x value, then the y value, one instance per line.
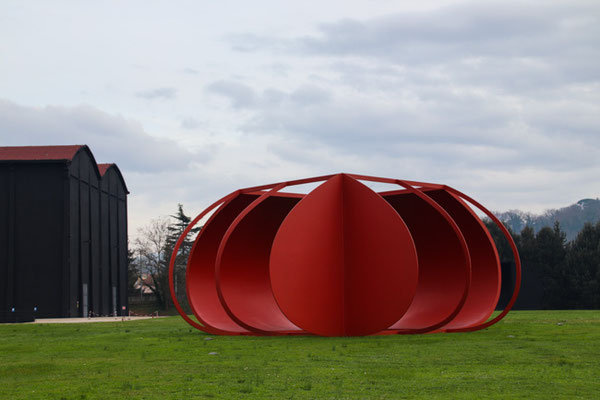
pixel 465 250
pixel 273 189
pixel 466 254
pixel 206 327
pixel 490 215
pixel 495 252
pixel 513 247
pixel 197 314
pixel 218 262
pixel 427 187
pixel 203 325
pixel 409 186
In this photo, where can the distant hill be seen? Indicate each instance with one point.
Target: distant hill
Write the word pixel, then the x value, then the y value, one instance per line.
pixel 571 218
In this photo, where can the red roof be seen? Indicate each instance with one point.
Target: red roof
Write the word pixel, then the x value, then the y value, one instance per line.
pixel 53 153
pixel 103 168
pixel 18 153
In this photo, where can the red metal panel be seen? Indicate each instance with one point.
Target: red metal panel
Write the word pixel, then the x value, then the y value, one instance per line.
pixel 485 273
pixel 442 275
pixel 242 268
pixel 202 325
pixel 343 262
pixel 200 274
pixel 517 259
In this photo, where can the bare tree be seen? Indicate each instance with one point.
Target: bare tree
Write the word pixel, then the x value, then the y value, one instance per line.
pixel 152 250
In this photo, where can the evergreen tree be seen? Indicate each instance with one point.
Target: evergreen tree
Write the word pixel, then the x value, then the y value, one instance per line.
pixel 583 266
pixel 569 272
pixel 504 251
pixel 527 249
pixel 175 230
pixel 550 249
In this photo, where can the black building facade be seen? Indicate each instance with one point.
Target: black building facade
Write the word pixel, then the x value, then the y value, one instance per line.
pixel 63 234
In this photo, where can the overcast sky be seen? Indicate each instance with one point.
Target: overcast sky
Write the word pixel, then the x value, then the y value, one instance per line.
pixel 194 99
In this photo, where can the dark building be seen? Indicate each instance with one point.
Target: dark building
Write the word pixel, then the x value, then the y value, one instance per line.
pixel 63 234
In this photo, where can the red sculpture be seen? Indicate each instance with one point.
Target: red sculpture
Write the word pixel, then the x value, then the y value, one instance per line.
pixel 343 260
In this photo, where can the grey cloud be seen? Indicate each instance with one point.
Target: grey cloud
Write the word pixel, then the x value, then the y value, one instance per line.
pixel 505 45
pixel 249 42
pixel 165 93
pixel 273 96
pixel 512 28
pixel 190 123
pixel 465 128
pixel 511 46
pixel 111 138
pixel 240 95
pixel 279 69
pixel 350 122
pixel 309 95
pixel 500 86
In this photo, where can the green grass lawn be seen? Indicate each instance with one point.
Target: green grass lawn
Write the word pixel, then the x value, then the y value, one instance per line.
pixel 531 354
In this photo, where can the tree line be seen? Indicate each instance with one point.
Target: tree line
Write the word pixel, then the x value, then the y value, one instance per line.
pixel 569 272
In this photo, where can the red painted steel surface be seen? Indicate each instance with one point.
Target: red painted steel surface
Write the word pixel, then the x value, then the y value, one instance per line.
pixel 200 274
pixel 242 267
pixel 344 261
pixel 485 265
pixel 442 273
